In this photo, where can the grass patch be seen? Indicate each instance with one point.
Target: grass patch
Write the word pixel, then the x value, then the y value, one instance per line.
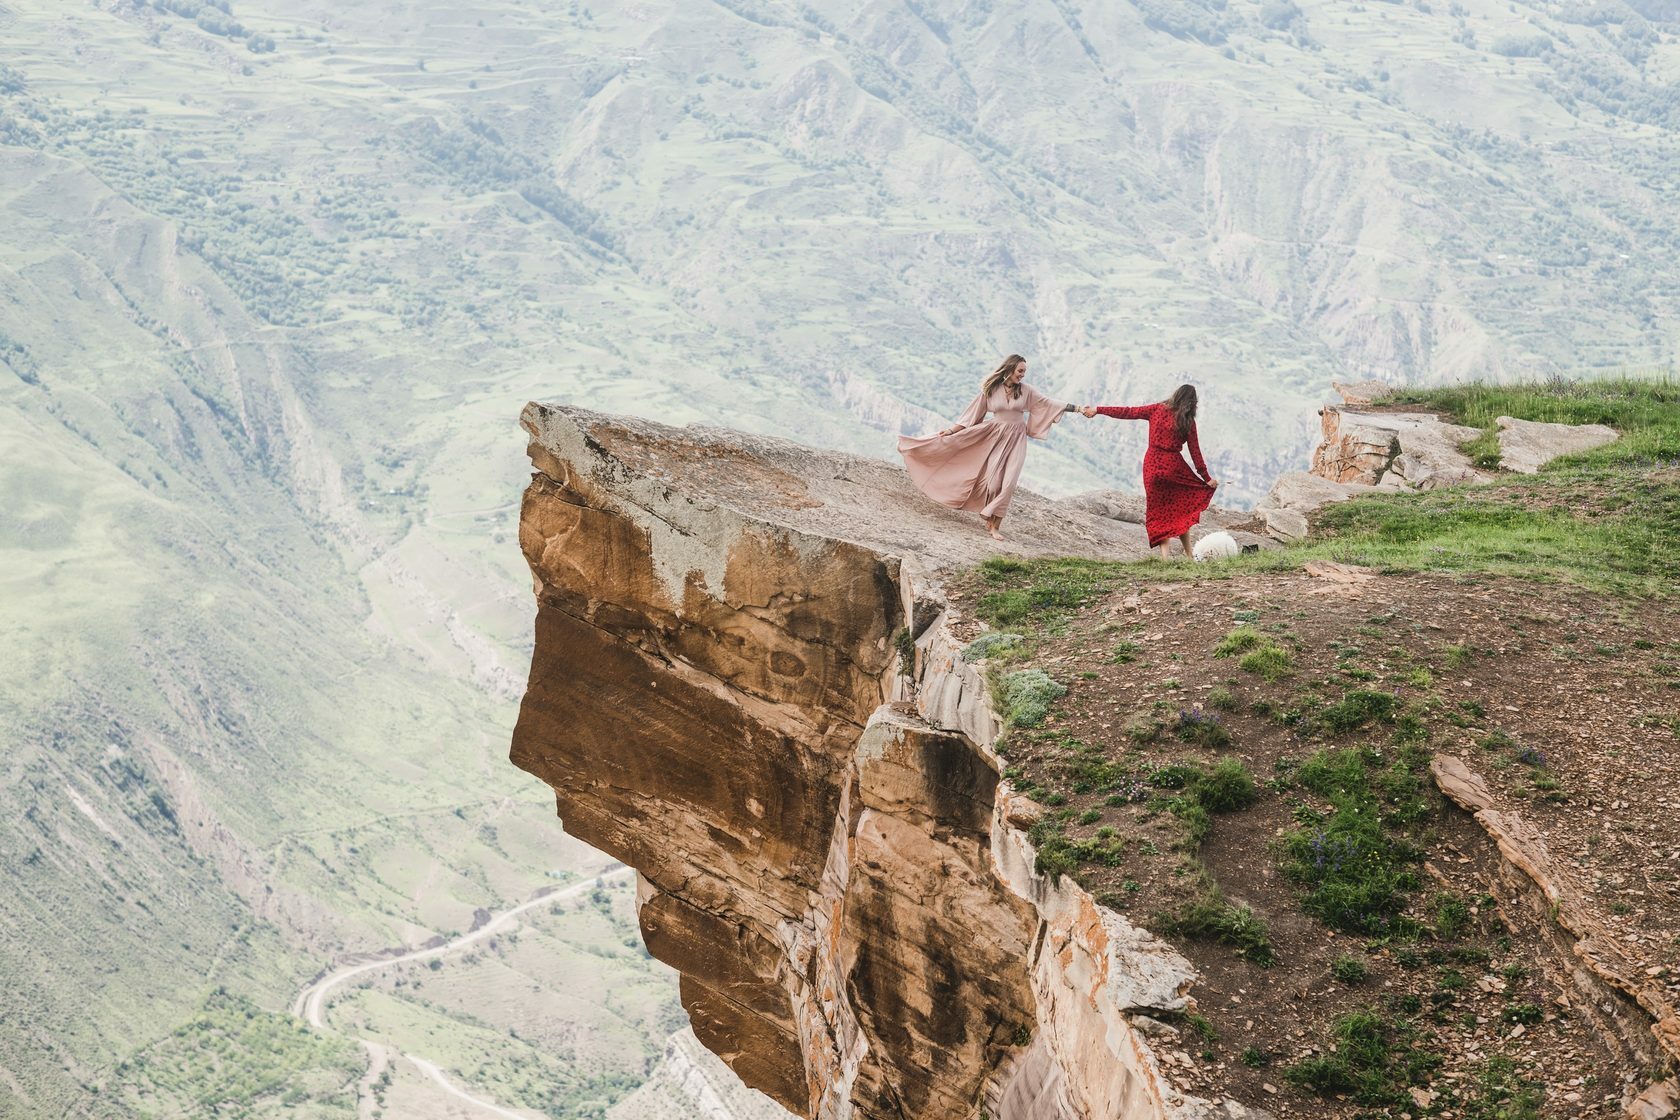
pixel 1354 858
pixel 1359 708
pixel 1646 411
pixel 1349 969
pixel 1606 519
pixel 1042 592
pixel 1256 652
pixel 991 644
pixel 1201 728
pixel 1375 1061
pixel 1214 917
pixel 1499 1092
pixel 1057 854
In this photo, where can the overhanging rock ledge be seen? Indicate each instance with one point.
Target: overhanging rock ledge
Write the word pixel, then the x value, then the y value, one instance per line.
pixel 720 696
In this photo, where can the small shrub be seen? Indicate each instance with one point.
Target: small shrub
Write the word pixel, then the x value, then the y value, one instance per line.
pixel 988 644
pixel 1197 822
pixel 1240 640
pixel 1125 653
pixel 1227 787
pixel 1349 969
pixel 1497 1092
pixel 1214 917
pixel 1027 696
pixel 1254 1058
pixel 1090 816
pixel 1176 775
pixel 1359 707
pixel 1499 740
pixel 1374 1062
pixel 1420 678
pixel 1270 662
pixel 1222 699
pixel 1201 728
pixel 1201 1027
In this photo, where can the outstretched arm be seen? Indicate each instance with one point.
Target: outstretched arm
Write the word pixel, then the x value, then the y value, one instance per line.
pixel 1196 456
pixel 1122 412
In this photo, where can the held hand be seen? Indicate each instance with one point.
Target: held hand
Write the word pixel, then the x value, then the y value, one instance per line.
pixel 1089 411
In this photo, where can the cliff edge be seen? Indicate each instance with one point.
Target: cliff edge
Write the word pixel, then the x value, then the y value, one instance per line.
pixel 746 685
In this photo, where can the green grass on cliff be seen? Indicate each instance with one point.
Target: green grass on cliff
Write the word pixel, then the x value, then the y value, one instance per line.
pixel 1646 410
pixel 1608 519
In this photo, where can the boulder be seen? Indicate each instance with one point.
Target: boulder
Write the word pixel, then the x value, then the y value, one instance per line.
pixel 1659 1102
pixel 1300 490
pixel 1284 524
pixel 1395 450
pixel 1526 445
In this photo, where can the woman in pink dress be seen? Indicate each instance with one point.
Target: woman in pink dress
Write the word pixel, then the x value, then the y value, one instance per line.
pixel 975 464
pixel 1174 495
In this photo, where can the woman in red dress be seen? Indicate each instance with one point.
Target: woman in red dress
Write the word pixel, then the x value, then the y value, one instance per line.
pixel 1174 497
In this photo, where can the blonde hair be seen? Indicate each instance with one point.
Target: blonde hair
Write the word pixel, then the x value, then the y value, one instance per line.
pixel 1001 374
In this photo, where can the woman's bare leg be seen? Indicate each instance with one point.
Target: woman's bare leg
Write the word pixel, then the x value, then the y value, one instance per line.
pixel 1166 549
pixel 993 524
pixel 1184 539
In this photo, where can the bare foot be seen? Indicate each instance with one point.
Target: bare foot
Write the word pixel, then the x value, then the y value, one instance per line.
pixel 996 536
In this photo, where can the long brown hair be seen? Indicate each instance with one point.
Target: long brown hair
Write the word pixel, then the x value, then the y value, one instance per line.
pixel 1183 405
pixel 1001 374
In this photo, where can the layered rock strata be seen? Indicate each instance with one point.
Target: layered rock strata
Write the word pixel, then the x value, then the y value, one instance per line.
pixel 1634 1017
pixel 745 685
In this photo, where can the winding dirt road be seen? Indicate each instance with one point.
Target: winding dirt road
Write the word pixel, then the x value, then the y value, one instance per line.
pixel 311 1003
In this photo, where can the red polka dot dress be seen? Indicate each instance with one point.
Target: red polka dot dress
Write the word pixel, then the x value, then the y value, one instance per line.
pixel 1174 497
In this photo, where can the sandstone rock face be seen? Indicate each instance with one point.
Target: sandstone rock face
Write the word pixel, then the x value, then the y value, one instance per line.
pixel 719 698
pixel 1410 450
pixel 1525 446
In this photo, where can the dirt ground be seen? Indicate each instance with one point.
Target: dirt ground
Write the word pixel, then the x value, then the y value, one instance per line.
pixel 1566 703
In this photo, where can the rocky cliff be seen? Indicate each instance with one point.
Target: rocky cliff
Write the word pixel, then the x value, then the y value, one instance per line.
pixel 745 685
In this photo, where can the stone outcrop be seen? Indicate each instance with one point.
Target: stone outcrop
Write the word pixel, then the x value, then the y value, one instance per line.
pixel 746 685
pixel 1526 445
pixel 1364 451
pixel 1397 450
pixel 1362 394
pixel 1634 1017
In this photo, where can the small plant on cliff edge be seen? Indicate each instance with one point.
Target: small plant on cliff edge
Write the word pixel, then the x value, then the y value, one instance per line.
pixel 906 646
pixel 1027 695
pixel 1374 1061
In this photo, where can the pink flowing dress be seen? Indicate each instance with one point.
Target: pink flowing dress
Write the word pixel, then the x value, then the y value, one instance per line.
pixel 977 467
